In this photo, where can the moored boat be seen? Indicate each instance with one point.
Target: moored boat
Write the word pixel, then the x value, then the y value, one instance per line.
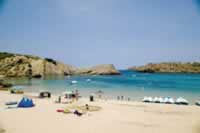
pixel 156 100
pixel 147 99
pixel 168 100
pixel 181 101
pixel 197 102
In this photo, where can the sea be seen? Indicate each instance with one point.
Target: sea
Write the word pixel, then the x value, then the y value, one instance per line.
pixel 130 85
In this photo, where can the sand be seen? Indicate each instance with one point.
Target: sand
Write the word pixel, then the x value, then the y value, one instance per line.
pixel 114 117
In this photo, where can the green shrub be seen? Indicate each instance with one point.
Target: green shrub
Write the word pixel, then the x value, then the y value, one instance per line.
pixel 51 60
pixel 4 55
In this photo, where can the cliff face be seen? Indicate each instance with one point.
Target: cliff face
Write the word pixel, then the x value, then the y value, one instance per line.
pixel 30 66
pixel 15 65
pixel 169 68
pixel 37 68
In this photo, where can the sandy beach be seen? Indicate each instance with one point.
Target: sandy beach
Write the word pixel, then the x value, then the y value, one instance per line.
pixel 114 117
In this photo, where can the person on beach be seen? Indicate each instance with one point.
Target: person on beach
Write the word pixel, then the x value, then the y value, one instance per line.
pixel 118 97
pixel 87 107
pixel 122 97
pixel 59 99
pixel 76 94
pixel 78 113
pixel 129 99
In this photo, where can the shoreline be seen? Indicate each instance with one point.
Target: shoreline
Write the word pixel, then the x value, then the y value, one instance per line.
pixel 110 97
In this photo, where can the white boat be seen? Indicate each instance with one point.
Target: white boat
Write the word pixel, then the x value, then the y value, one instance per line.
pixel 147 99
pixel 74 82
pixel 181 101
pixel 165 100
pixel 156 100
pixel 161 100
pixel 168 100
pixel 171 100
pixel 198 103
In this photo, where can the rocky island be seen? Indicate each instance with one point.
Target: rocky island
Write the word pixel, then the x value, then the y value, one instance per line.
pixel 18 65
pixel 169 67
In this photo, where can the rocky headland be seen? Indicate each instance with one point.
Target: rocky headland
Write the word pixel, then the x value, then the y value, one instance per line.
pixel 169 67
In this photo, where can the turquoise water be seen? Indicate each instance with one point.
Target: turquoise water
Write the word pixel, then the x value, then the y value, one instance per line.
pixel 130 84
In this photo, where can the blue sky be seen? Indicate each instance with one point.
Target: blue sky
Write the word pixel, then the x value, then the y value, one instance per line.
pixel 89 32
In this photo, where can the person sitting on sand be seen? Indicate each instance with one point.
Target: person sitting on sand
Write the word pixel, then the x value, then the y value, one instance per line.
pixel 87 107
pixel 78 113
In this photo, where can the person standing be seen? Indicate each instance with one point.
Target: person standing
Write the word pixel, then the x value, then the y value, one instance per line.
pixel 76 94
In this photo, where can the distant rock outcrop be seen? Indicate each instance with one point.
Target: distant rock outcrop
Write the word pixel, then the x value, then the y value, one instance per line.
pixel 106 69
pixel 169 68
pixel 82 71
pixel 16 65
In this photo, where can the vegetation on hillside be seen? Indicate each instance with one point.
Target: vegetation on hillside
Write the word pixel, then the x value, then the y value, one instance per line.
pixel 51 60
pixel 4 55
